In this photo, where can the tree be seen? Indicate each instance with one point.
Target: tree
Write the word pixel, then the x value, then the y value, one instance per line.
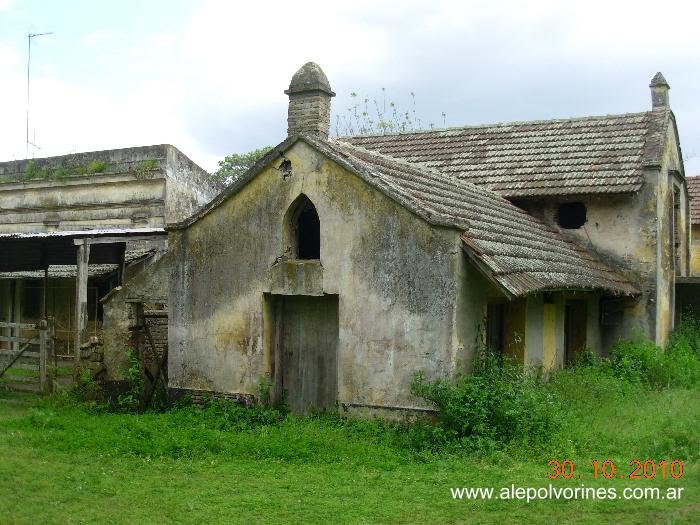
pixel 236 164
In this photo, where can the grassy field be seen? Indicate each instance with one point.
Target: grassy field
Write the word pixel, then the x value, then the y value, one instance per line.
pixel 65 463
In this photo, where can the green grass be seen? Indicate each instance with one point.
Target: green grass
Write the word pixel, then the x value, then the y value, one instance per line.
pixel 65 463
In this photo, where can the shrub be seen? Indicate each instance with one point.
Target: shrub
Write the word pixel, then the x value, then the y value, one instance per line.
pixel 636 360
pixel 681 362
pixel 678 365
pixel 225 415
pixel 131 400
pixel 500 402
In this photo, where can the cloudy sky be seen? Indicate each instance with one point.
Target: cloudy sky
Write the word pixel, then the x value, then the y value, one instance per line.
pixel 208 76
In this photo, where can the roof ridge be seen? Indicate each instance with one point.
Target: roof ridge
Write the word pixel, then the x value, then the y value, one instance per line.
pixel 495 125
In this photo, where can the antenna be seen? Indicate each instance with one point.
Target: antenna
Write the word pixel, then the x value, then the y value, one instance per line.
pixel 29 59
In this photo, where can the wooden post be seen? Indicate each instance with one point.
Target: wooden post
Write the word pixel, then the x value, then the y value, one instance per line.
pixel 278 359
pixel 45 291
pixel 50 353
pixel 45 264
pixel 43 356
pixel 121 250
pixel 81 289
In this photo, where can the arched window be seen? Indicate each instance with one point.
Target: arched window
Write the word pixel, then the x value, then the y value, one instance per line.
pixel 305 229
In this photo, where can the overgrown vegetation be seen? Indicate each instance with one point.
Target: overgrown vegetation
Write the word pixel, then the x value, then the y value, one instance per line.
pixel 370 116
pixel 144 167
pixel 502 402
pixel 132 399
pixel 32 172
pixel 500 426
pixel 498 403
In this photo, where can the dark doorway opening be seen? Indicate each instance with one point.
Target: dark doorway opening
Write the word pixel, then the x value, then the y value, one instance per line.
pixel 495 327
pixel 575 319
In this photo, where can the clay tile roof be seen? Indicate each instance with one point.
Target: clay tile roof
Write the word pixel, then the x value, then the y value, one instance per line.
pixel 520 253
pixel 591 155
pixel 694 194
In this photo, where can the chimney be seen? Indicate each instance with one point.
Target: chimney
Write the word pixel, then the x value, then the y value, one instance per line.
pixel 659 91
pixel 309 102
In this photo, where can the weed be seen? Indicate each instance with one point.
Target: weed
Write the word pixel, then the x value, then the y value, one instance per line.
pixel 131 400
pixel 499 402
pixel 96 167
pixel 144 167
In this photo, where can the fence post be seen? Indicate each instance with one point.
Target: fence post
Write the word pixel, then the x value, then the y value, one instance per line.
pixel 43 357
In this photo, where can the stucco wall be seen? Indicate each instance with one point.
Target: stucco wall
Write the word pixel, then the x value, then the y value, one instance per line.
pixel 695 251
pixel 474 293
pixel 151 286
pixel 545 335
pixel 669 177
pixel 188 186
pixel 135 187
pixel 96 201
pixel 393 273
pixel 623 230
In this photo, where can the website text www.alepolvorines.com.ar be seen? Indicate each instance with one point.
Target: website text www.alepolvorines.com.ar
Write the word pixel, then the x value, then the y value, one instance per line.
pixel 551 492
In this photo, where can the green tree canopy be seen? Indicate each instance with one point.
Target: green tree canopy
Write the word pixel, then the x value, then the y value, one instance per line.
pixel 236 164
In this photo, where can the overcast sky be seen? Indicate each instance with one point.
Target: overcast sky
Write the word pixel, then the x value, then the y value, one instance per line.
pixel 208 76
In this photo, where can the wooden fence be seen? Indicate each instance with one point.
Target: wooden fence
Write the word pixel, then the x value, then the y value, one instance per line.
pixel 18 351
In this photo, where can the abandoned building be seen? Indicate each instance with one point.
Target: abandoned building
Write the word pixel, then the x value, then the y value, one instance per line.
pixel 73 230
pixel 335 268
pixel 694 194
pixel 688 287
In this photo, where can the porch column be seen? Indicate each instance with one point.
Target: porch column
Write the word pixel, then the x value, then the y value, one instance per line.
pixel 81 286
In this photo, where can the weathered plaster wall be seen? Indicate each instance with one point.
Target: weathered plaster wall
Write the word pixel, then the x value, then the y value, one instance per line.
pixel 188 187
pixel 624 230
pixel 150 285
pixel 97 201
pixel 621 230
pixel 695 251
pixel 393 273
pixel 474 294
pixel 545 325
pixel 669 178
pixel 135 187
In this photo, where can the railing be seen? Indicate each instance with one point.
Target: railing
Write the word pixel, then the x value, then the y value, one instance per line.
pixel 19 345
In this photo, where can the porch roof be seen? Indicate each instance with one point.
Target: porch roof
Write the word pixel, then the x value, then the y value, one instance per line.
pixel 36 251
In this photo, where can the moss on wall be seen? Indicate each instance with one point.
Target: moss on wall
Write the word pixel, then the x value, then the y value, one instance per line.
pixel 393 272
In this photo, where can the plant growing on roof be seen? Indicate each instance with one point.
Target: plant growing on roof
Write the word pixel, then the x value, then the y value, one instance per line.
pixel 370 116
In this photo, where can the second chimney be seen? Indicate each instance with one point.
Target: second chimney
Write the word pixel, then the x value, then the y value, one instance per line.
pixel 309 102
pixel 659 91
